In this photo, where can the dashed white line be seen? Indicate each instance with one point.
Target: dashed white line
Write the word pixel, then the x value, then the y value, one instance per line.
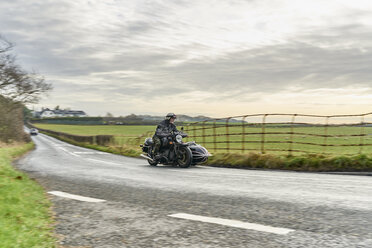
pixel 71 153
pixel 89 153
pixel 101 161
pixel 75 197
pixel 233 223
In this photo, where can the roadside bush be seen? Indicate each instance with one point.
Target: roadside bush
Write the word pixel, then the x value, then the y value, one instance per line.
pixel 11 122
pixel 104 140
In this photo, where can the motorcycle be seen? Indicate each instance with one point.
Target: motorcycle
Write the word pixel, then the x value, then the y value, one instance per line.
pixel 175 152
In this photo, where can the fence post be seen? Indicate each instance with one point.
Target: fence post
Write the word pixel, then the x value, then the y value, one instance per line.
pixel 214 136
pixel 290 149
pixel 325 134
pixel 263 134
pixel 203 132
pixel 187 129
pixel 194 131
pixel 362 134
pixel 243 134
pixel 227 135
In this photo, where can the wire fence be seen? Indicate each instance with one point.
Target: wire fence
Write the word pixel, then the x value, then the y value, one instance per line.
pixel 285 133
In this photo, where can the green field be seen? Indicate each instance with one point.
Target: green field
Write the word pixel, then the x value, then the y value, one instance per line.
pixel 123 134
pixel 98 129
pixel 344 143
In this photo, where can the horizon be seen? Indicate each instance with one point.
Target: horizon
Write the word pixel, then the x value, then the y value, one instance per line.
pixel 257 118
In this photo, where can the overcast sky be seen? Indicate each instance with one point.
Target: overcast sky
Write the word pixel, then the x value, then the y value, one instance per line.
pixel 217 58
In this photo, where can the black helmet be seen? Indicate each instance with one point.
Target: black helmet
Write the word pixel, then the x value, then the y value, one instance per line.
pixel 170 115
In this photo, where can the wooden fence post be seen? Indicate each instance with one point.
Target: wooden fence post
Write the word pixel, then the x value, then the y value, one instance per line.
pixel 227 135
pixel 263 134
pixel 243 134
pixel 325 135
pixel 214 136
pixel 203 132
pixel 362 134
pixel 291 140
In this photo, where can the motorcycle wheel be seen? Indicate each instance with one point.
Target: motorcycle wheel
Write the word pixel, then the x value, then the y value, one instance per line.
pixel 184 157
pixel 152 163
pixel 150 154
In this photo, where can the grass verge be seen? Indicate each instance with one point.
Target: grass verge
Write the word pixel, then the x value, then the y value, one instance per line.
pixel 25 218
pixel 311 162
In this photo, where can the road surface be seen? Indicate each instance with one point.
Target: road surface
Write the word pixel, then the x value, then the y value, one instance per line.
pixel 106 200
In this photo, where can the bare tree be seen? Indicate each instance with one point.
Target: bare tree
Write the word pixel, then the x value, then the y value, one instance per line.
pixel 17 84
pixel 5 45
pixel 17 88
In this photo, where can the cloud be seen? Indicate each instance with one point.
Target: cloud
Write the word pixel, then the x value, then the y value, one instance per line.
pixel 206 52
pixel 279 67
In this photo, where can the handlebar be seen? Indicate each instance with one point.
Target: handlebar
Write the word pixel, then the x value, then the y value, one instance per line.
pixel 184 135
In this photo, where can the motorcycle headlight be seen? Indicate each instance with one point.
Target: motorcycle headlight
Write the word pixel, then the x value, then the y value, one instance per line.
pixel 179 138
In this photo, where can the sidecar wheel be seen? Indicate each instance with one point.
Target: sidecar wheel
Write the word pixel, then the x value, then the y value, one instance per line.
pixel 184 157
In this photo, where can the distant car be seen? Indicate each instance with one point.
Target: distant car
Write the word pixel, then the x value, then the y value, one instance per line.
pixel 34 131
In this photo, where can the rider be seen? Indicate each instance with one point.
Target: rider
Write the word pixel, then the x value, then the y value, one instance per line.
pixel 163 130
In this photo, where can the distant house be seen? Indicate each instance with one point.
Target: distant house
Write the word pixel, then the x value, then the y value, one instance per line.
pixel 49 113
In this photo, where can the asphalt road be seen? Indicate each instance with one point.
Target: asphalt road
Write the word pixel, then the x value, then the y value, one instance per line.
pixel 224 207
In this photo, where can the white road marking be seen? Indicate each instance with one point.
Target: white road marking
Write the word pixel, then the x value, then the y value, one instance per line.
pixel 233 223
pixel 65 150
pixel 89 152
pixel 101 161
pixel 75 197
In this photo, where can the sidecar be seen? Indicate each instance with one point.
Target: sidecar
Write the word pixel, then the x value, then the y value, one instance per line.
pixel 199 153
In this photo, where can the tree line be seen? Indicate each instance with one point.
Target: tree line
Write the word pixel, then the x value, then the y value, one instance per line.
pixel 18 87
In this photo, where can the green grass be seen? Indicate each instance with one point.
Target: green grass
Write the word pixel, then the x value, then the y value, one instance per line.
pixel 25 220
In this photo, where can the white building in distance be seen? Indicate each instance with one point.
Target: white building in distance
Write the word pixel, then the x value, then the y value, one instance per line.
pixel 50 113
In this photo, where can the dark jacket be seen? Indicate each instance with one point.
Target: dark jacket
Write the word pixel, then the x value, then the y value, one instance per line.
pixel 165 128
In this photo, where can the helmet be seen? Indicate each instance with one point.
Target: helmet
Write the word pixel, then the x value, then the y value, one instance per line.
pixel 170 115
